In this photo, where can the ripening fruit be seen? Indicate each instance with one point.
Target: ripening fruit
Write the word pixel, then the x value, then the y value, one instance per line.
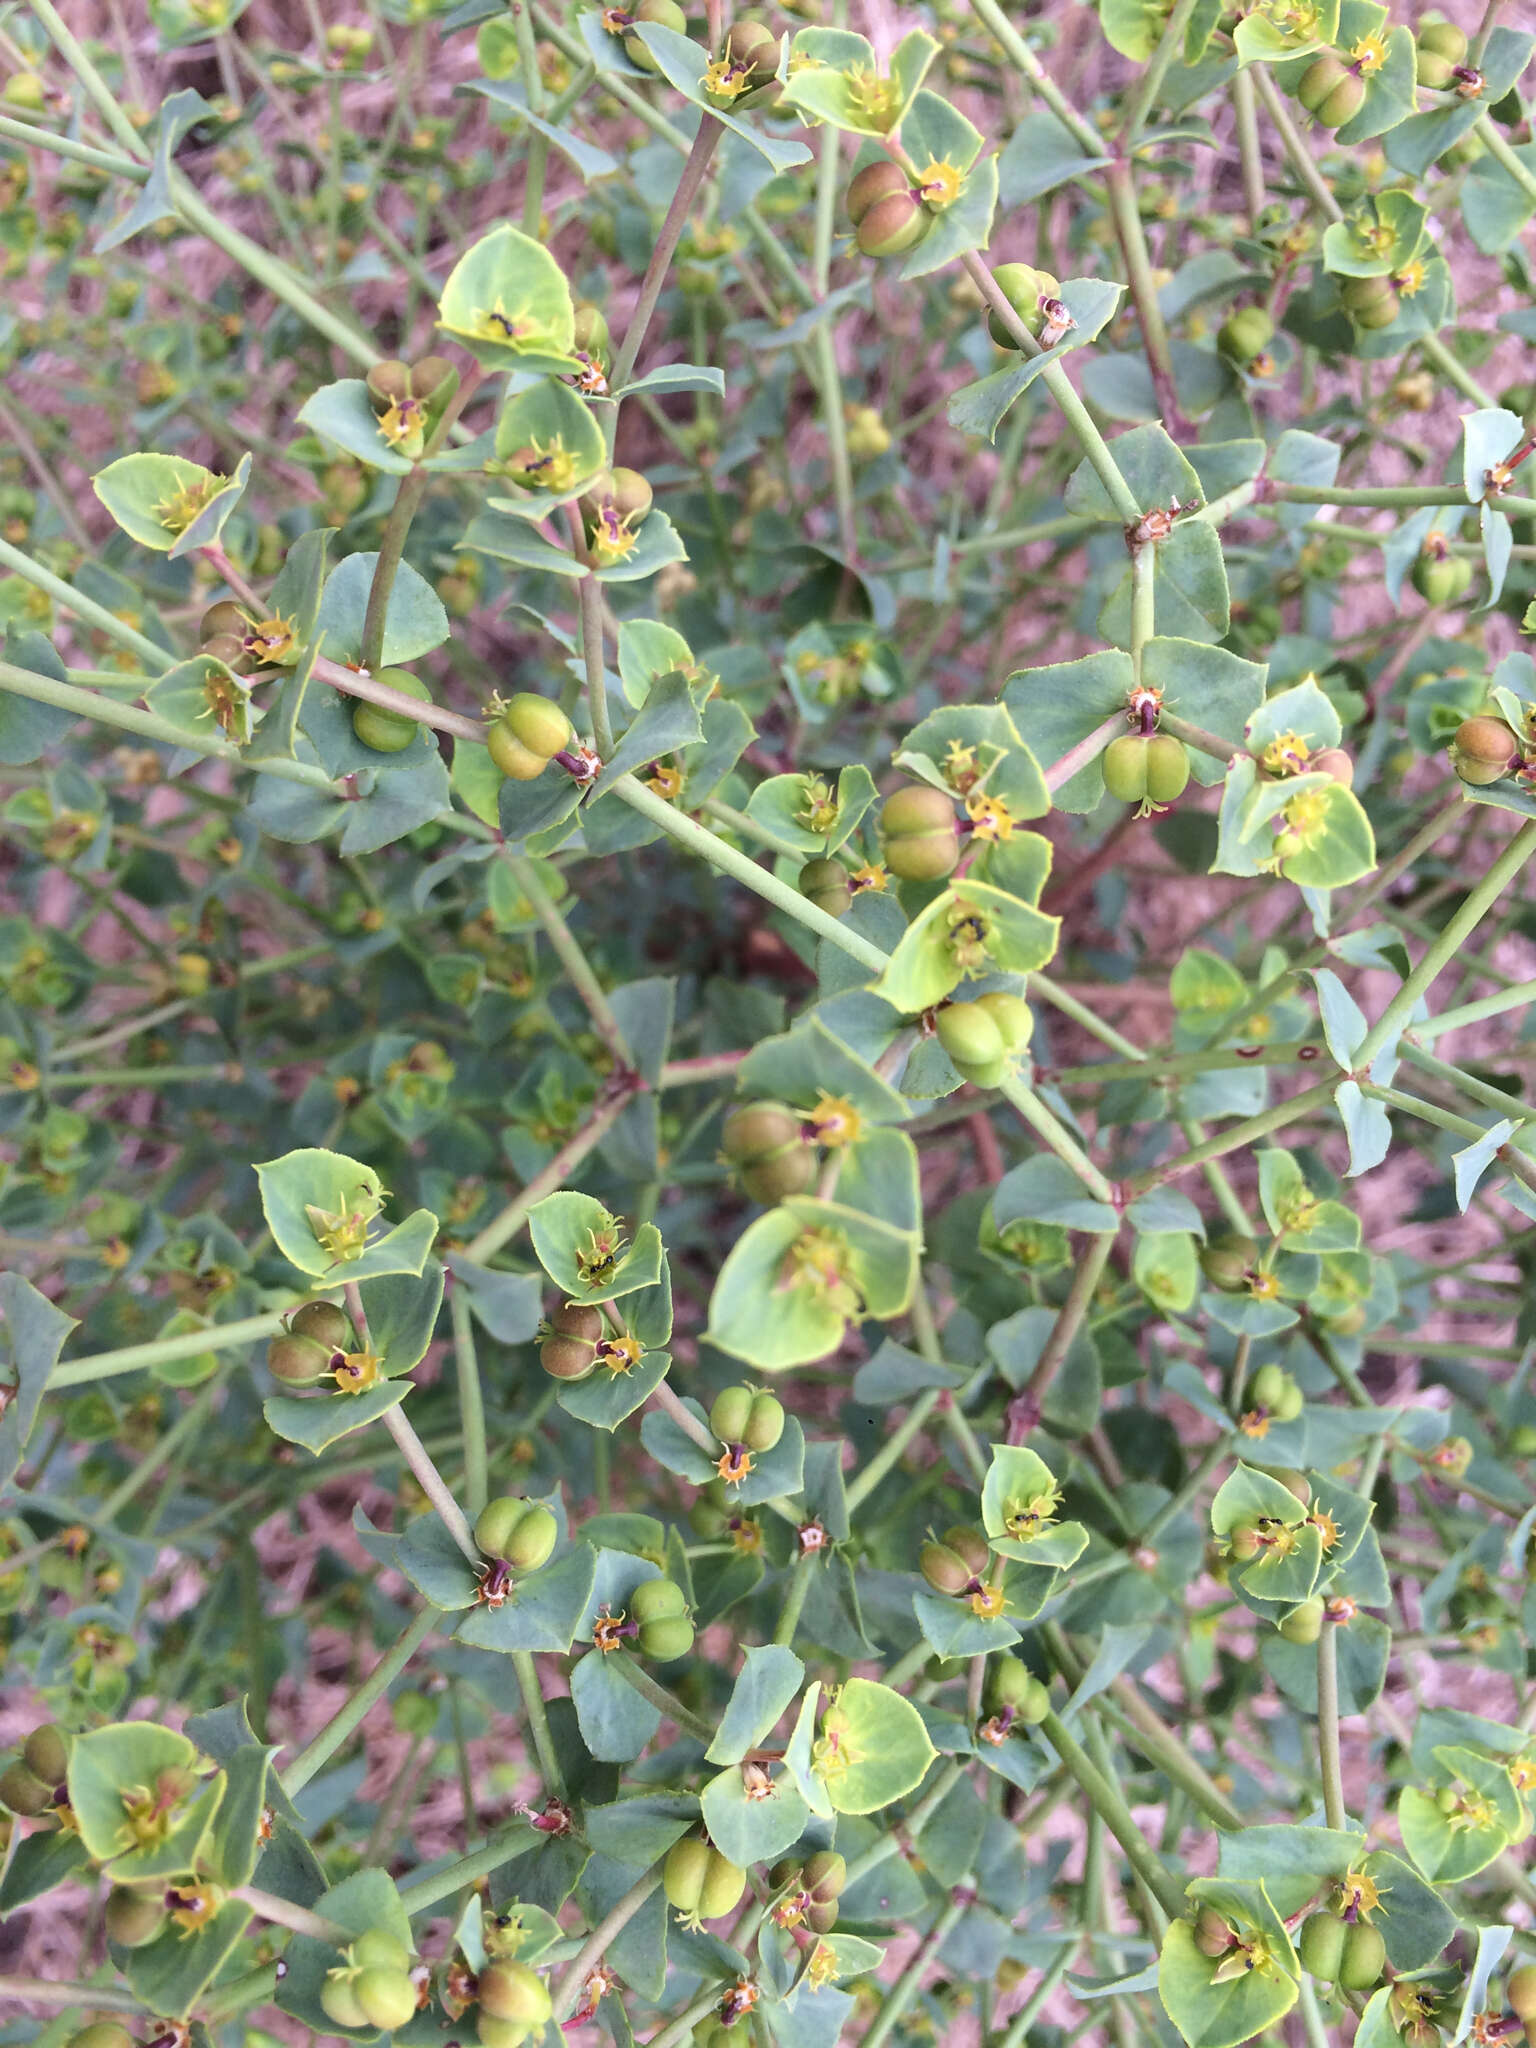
pixel 875 182
pixel 133 1918
pixel 379 1950
pixel 741 1416
pixel 752 46
pixel 23 1792
pixel 388 383
pixel 590 332
pixel 389 732
pixel 1213 1935
pixel 520 1532
pixel 623 492
pixel 1371 302
pixel 825 883
pixel 434 379
pixel 1023 287
pixel 387 1998
pixel 765 1424
pixel 1520 1992
pixel 104 2034
pixel 324 1323
pixel 1227 1260
pixel 661 1609
pixel 1151 769
pixel 298 1361
pixel 1440 47
pixel 510 1992
pixel 1321 1946
pixel 1245 334
pixel 699 1882
pixel 667 14
pixel 764 1141
pixel 1364 1958
pixel 1484 750
pixel 1012 1015
pixel 46 1753
pixel 1304 1624
pixel 949 1566
pixel 917 825
pixel 1440 578
pixel 1331 91
pixel 527 734
pixel 893 224
pixel 569 1352
pixel 1273 1390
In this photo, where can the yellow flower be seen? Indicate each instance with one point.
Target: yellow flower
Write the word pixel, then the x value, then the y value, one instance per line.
pixel 1411 279
pixel 834 1120
pixel 990 817
pixel 939 182
pixel 869 876
pixel 179 510
pixel 1368 55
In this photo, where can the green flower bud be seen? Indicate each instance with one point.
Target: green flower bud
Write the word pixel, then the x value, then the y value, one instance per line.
pixel 892 225
pixel 133 1918
pixel 1321 1946
pixel 1484 750
pixel 877 181
pixel 1213 1935
pixel 528 732
pixel 520 1532
pixel 46 1753
pixel 324 1323
pixel 1245 334
pixel 825 883
pixel 1304 1624
pixel 509 1991
pixel 389 732
pixel 917 825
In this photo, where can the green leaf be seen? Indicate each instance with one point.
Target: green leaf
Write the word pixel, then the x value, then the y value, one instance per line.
pixel 28 729
pixel 1450 1848
pixel 37 1863
pixel 809 1061
pixel 951 1630
pixel 769 1678
pixel 1192 596
pixel 543 1611
pixel 346 1198
pixel 319 1420
pixel 784 803
pixel 1039 156
pixel 873 1748
pixel 1003 765
pixel 1046 1190
pixel 750 1829
pixel 414 623
pixel 1208 2014
pixel 507 301
pixel 980 408
pixel 34 1336
pixel 206 699
pixel 607 1399
pixel 1209 687
pixel 665 723
pixel 166 502
pixel 581 1247
pixel 616 1723
pixel 170 1975
pixel 1056 708
pixel 343 414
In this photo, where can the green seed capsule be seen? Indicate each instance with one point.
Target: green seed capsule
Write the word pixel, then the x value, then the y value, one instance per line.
pixel 46 1753
pixel 1245 334
pixel 1484 750
pixel 527 734
pixel 389 732
pixel 667 1639
pixel 133 1918
pixel 323 1322
pixel 1304 1624
pixel 730 1413
pixel 917 826
pixel 104 2034
pixel 1520 1992
pixel 379 1950
pixel 892 225
pixel 298 1361
pixel 520 1532
pixel 1023 287
pixel 770 1180
pixel 1371 302
pixel 969 1034
pixel 875 182
pixel 667 14
pixel 23 1792
pixel 338 1999
pixel 1012 1016
pixel 1364 1957
pixel 1440 578
pixel 1226 1261
pixel 825 883
pixel 510 1992
pixel 1167 768
pixel 1124 762
pixel 765 1424
pixel 387 1997
pixel 656 1600
pixel 699 1882
pixel 1321 1946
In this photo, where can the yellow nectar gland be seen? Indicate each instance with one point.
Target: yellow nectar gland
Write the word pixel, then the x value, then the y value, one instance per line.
pixel 869 876
pixel 179 510
pixel 990 817
pixel 620 1354
pixel 517 330
pixel 1254 1424
pixel 1359 1895
pixel 401 421
pixel 552 468
pixel 834 1121
pixel 874 97
pixel 734 1464
pixel 1024 1519
pixel 1410 280
pixel 939 183
pixel 821 1970
pixel 608 1632
pixel 961 771
pixel 724 80
pixel 818 1262
pixel 818 806
pixel 666 781
pixel 1286 754
pixel 356 1372
pixel 1251 1956
pixel 614 539
pixel 272 639
pixel 988 1602
pixel 970 937
pixel 1368 55
pixel 596 1261
pixel 343 1232
pixel 1326 1527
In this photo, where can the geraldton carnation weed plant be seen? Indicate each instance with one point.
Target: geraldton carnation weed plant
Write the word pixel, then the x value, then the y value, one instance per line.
pixel 766 1162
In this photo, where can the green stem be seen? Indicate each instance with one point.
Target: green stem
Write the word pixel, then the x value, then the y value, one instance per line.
pixel 471 1400
pixel 430 1480
pixel 1171 1757
pixel 1491 137
pixel 33 136
pixel 86 609
pixel 284 1913
pixel 1245 111
pixel 324 1746
pixel 1055 1133
pixel 691 178
pixel 105 1365
pixel 97 91
pixel 504 1227
pixel 148 725
pixel 578 969
pixel 1334 1809
pixel 526 1672
pixel 1120 184
pixel 1143 602
pixel 1234 1137
pixel 596 1944
pixel 892 1449
pixel 1107 1802
pixel 421 1894
pixel 794 1605
pixel 698 839
pixel 1169 45
pixel 187 1424
pixel 536 156
pixel 48 1991
pixel 1453 937
pixel 1018 2031
pixel 391 553
pixel 1069 1318
pixel 590 601
pixel 641 1681
pixel 1313 182
pixel 1023 58
pixel 1516 998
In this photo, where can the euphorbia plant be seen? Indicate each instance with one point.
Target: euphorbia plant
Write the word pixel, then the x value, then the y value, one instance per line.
pixel 757 983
